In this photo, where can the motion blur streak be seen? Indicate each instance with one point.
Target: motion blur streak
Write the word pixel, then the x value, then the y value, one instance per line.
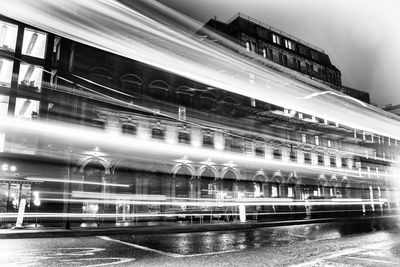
pixel 55 180
pixel 124 146
pixel 133 33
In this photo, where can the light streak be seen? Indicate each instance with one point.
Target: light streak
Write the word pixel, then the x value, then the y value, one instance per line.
pixel 127 146
pixel 62 180
pixel 222 203
pixel 147 215
pixel 132 33
pixel 119 197
pixel 333 93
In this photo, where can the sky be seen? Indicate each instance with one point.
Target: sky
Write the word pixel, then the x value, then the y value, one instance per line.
pixel 361 37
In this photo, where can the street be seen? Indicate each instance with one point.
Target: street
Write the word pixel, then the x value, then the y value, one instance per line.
pixel 329 244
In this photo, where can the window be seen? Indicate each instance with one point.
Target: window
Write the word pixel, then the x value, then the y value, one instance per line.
pixel 261 33
pixel 317 140
pixel 129 129
pixel 248 46
pixel 344 162
pixel 26 108
pixel 308 68
pixel 277 153
pixel 228 143
pixel 329 143
pixel 8 36
pixel 276 39
pixel 303 138
pixel 285 60
pixel 208 139
pixel 270 54
pixel 302 49
pixel 280 58
pixel 333 161
pixel 6 67
pixel 34 43
pixel 157 132
pixel 274 191
pixel 290 191
pixel 30 76
pixel 184 137
pixel 259 150
pixel 314 55
pixel 3 105
pixel 289 44
pixel 307 157
pixel 56 49
pixel 264 51
pixel 237 144
pixel 320 159
pixel 293 155
pixel 296 64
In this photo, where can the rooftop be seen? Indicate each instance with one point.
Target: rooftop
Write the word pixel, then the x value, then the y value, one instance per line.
pixel 272 28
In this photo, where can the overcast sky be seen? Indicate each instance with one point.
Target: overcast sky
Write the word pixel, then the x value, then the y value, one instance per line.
pixel 362 37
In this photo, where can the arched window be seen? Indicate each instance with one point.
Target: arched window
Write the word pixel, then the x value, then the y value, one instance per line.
pixel 159 89
pixel 101 76
pixel 208 101
pixel 93 173
pixel 228 182
pixel 259 147
pixel 228 106
pixel 277 153
pixel 184 95
pixel 131 84
pixel 182 187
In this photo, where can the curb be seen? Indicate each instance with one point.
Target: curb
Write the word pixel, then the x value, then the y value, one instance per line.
pixel 170 229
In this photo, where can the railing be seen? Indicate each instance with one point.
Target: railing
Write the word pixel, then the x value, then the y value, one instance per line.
pixel 241 15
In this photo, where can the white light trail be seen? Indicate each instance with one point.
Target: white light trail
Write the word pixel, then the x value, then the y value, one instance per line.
pixel 134 34
pixel 333 93
pixel 222 203
pixel 62 180
pixel 128 147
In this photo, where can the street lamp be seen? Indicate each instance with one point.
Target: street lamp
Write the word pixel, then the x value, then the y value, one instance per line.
pixel 4 167
pixel 36 202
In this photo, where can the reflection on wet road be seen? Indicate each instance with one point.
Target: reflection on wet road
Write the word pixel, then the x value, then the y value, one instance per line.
pixel 368 243
pixel 217 242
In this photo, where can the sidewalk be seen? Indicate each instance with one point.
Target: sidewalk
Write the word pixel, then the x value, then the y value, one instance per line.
pixel 30 231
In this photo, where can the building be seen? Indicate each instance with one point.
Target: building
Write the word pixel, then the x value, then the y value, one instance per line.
pixel 395 109
pixel 284 49
pixel 138 139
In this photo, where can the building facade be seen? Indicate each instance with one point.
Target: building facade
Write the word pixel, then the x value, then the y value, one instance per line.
pixel 194 144
pixel 284 49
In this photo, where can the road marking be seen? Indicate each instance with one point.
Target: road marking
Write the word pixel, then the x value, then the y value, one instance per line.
pixel 208 253
pixel 347 252
pixel 117 261
pixel 365 259
pixel 169 254
pixel 174 255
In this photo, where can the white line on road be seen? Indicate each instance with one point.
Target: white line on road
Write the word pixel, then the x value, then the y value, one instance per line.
pixel 365 259
pixel 141 247
pixel 169 254
pixel 347 252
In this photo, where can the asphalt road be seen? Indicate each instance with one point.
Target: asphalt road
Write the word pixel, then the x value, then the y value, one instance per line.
pixel 330 244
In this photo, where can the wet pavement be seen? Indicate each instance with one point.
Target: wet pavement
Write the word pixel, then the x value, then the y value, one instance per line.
pixel 368 243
